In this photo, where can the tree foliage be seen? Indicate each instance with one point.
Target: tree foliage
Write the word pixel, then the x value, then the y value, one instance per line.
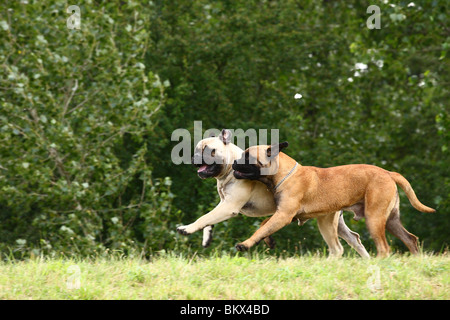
pixel 87 115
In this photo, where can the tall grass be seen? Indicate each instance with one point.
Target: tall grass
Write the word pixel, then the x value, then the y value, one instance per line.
pixel 227 276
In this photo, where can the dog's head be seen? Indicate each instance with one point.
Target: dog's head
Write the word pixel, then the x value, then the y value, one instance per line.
pixel 258 161
pixel 213 156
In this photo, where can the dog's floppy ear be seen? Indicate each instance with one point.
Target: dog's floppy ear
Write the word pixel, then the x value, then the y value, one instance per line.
pixel 275 149
pixel 225 136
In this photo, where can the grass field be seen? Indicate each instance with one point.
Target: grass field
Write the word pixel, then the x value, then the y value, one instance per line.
pixel 228 277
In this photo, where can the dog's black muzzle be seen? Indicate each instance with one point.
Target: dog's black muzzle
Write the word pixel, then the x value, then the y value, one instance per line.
pixel 245 170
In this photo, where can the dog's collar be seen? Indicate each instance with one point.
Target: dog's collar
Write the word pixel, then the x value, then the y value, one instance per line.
pixel 287 176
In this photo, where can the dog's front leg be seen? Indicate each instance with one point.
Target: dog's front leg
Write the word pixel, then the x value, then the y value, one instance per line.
pixel 207 236
pixel 222 212
pixel 275 223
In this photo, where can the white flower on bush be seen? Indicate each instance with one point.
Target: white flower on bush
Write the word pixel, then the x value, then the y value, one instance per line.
pixel 360 66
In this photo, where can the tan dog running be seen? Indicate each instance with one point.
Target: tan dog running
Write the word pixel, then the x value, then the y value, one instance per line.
pixel 304 192
pixel 214 157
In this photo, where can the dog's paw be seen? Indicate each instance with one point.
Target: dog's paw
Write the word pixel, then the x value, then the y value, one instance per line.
pixel 184 230
pixel 241 247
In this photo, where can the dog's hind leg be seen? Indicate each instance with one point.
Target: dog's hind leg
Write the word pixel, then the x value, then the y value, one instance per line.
pixel 351 237
pixel 378 205
pixel 395 227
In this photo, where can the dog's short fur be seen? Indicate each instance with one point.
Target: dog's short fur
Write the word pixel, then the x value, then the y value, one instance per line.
pixel 252 198
pixel 311 192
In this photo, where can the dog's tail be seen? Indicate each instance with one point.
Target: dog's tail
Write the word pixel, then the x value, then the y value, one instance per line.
pixel 404 184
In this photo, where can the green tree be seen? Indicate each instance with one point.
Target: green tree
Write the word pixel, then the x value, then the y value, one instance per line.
pixel 368 96
pixel 78 115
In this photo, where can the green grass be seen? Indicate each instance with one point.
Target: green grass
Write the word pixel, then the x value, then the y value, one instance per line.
pixel 229 277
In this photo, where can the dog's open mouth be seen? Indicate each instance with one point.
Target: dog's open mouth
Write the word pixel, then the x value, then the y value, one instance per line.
pixel 207 167
pixel 208 170
pixel 202 168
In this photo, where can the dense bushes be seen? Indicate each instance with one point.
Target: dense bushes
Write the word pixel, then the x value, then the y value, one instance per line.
pixel 78 111
pixel 86 115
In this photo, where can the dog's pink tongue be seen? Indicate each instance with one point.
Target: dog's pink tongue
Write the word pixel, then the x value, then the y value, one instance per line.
pixel 202 168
